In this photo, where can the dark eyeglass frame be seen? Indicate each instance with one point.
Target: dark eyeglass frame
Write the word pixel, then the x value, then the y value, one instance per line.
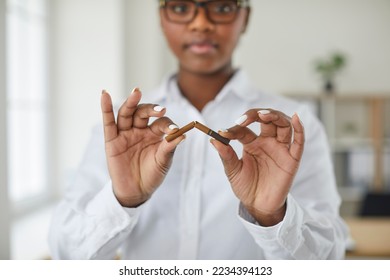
pixel 240 4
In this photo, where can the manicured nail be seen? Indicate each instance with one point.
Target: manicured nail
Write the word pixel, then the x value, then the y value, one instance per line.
pixel 264 112
pixel 299 118
pixel 173 126
pixel 135 89
pixel 241 119
pixel 158 108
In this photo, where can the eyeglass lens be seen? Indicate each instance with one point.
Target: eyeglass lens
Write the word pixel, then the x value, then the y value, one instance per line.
pixel 181 11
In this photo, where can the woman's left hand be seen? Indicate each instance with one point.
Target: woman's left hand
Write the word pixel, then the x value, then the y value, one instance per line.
pixel 262 178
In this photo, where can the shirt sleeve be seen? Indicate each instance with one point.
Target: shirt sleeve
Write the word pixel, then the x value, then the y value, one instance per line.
pixel 312 227
pixel 298 236
pixel 95 232
pixel 89 223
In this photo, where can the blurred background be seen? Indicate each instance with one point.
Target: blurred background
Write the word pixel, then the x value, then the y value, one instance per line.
pixel 56 56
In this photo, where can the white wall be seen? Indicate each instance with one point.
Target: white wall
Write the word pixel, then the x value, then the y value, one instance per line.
pixel 87 56
pixel 147 58
pixel 283 40
pixel 286 36
pixel 4 210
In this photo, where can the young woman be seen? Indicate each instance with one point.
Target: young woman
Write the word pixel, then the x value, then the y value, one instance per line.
pixel 269 194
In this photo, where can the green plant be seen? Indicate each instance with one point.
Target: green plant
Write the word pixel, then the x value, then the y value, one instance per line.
pixel 328 67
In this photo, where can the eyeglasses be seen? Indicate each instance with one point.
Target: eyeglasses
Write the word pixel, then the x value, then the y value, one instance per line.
pixel 217 11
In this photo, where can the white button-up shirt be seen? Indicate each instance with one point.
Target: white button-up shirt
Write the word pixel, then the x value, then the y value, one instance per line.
pixel 194 214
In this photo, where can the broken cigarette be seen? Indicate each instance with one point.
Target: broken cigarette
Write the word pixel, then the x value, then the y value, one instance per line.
pixel 212 133
pixel 202 128
pixel 180 132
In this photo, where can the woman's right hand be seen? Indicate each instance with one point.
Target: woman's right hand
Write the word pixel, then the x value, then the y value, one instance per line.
pixel 138 157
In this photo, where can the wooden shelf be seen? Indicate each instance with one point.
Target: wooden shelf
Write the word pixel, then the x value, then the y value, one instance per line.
pixel 355 121
pixel 370 236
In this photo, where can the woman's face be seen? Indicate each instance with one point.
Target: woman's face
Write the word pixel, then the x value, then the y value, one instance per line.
pixel 203 47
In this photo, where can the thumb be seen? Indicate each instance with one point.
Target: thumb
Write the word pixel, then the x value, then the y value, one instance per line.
pixel 166 151
pixel 229 158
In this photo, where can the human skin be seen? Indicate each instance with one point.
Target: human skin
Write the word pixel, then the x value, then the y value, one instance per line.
pixel 204 53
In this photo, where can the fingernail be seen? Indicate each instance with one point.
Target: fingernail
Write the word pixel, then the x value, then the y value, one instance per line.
pixel 299 118
pixel 104 91
pixel 223 130
pixel 135 89
pixel 264 112
pixel 241 119
pixel 173 126
pixel 158 108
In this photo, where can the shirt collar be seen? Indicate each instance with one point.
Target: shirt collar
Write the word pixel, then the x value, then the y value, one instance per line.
pixel 239 85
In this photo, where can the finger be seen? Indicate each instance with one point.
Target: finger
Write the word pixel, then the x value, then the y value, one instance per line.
pixel 284 134
pixel 275 124
pixel 109 125
pixel 267 129
pixel 296 149
pixel 212 133
pixel 272 116
pixel 272 123
pixel 163 126
pixel 252 116
pixel 249 117
pixel 179 132
pixel 167 149
pixel 230 160
pixel 126 111
pixel 144 112
pixel 242 134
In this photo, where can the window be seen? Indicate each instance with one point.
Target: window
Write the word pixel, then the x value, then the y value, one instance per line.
pixel 27 100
